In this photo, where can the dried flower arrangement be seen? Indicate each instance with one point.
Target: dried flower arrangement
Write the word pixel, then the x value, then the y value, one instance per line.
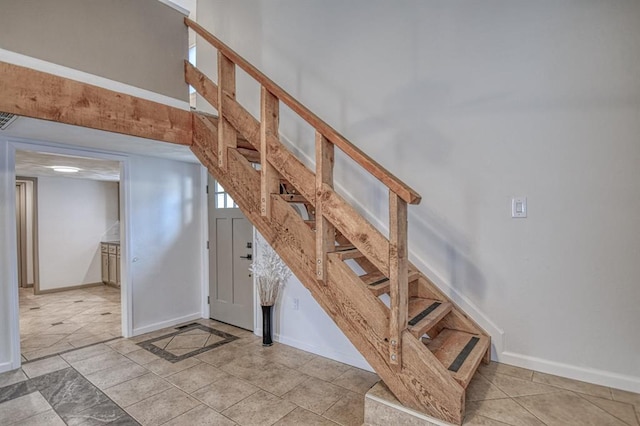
pixel 270 271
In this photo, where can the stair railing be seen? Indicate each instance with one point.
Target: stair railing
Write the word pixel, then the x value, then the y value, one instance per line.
pixel 389 256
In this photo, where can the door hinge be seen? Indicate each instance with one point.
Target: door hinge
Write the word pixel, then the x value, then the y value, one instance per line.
pixel 207 189
pixel 207 245
pixel 208 300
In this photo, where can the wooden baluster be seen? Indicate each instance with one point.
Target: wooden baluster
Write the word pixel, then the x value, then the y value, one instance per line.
pixel 398 280
pixel 269 177
pixel 227 136
pixel 325 231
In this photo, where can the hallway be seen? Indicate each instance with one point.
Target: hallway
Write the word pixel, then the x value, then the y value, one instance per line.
pixel 58 322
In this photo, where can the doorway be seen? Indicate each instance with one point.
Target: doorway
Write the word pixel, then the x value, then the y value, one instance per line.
pixel 21 232
pixel 230 255
pixel 26 231
pixel 71 306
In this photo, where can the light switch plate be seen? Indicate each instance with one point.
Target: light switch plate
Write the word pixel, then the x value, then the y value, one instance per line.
pixel 519 207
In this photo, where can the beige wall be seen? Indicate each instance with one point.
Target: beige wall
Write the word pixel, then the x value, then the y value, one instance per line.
pixel 141 42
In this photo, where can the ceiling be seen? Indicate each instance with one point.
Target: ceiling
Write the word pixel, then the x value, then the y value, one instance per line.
pixel 38 164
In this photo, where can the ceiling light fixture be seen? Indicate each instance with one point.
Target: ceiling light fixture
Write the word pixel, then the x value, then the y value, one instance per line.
pixel 65 169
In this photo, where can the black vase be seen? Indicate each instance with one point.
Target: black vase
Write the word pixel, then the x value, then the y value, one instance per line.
pixel 266 326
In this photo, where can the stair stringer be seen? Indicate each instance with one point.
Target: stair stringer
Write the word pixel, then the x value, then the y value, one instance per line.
pixel 422 383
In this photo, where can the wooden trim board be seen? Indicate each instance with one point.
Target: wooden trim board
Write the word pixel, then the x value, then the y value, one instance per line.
pixel 30 93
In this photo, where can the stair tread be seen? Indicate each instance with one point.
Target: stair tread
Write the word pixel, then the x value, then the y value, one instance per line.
pixel 372 277
pixel 424 314
pixel 294 198
pixel 349 253
pixel 379 284
pixel 251 155
pixel 460 352
pixel 241 142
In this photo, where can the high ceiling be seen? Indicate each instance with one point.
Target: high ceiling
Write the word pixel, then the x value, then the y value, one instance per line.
pixel 38 164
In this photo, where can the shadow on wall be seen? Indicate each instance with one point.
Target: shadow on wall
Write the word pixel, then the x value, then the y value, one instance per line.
pixel 398 137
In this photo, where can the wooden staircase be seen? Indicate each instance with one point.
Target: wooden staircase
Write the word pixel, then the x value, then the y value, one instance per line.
pixel 420 343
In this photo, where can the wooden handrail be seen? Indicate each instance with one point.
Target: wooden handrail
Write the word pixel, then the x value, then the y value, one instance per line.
pixel 383 175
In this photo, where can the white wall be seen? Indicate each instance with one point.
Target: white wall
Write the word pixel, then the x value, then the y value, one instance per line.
pixel 9 354
pixel 308 327
pixel 166 242
pixel 163 248
pixel 73 215
pixel 472 104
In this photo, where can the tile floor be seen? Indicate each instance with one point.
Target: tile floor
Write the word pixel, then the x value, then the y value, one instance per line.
pixel 504 395
pixel 238 382
pixel 213 373
pixel 57 322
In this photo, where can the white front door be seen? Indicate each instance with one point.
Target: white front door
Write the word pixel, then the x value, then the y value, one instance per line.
pixel 230 251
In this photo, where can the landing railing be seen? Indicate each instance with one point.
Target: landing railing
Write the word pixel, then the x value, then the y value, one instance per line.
pixel 332 211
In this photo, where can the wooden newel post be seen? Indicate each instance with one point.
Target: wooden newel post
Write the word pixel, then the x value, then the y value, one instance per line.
pixel 398 276
pixel 325 231
pixel 227 136
pixel 269 121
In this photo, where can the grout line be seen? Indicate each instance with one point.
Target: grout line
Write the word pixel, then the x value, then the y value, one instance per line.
pixel 102 392
pixel 602 409
pixel 70 350
pixel 526 409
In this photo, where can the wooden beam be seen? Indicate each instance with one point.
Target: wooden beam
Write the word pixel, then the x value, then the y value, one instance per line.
pixel 269 177
pixel 396 185
pixel 35 94
pixel 358 231
pixel 227 136
pixel 398 276
pixel 203 85
pixel 205 133
pixel 325 231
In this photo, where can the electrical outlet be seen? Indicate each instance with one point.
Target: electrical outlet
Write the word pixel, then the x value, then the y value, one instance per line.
pixel 296 304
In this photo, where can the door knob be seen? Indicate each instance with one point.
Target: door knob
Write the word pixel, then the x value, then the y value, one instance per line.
pixel 248 257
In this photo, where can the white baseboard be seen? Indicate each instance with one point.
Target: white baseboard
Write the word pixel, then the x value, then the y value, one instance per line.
pixel 323 351
pixel 6 366
pixel 164 324
pixel 584 374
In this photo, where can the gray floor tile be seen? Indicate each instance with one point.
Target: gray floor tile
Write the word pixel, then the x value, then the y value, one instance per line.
pixel 12 377
pixel 23 407
pixel 162 407
pixel 44 366
pixel 46 418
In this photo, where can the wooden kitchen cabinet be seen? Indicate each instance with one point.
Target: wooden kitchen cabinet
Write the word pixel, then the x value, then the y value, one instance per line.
pixel 104 251
pixel 110 252
pixel 118 265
